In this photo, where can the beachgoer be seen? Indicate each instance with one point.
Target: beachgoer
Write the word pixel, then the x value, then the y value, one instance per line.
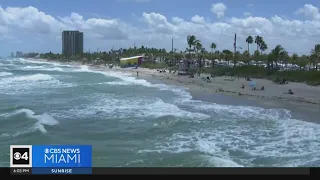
pixel 242 86
pixel 137 73
pixel 262 88
pixel 290 91
pixel 208 79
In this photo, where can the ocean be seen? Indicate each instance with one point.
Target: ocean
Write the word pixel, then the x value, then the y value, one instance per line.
pixel 134 122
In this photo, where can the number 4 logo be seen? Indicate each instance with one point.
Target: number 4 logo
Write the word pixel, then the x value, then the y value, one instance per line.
pixel 17 155
pixel 25 156
pixel 21 156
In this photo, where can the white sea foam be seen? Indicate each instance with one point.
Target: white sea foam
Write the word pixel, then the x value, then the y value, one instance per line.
pixel 31 67
pixel 29 83
pixel 5 74
pixel 108 106
pixel 236 112
pixel 30 61
pixel 118 83
pixel 34 77
pixel 42 121
pixel 268 132
pixel 181 143
pixel 21 82
pixel 248 142
pixel 41 68
pixel 52 69
pixel 127 79
pixel 5 66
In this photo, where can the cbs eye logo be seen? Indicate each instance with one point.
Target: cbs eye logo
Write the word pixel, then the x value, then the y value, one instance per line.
pixel 17 156
pixel 20 156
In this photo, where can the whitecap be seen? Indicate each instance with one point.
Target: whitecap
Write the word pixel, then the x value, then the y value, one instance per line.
pixel 34 77
pixel 42 120
pixel 5 74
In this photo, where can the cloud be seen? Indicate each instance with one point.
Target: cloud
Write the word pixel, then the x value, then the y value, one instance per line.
pixel 309 11
pixel 198 19
pixel 218 9
pixel 156 30
pixel 32 21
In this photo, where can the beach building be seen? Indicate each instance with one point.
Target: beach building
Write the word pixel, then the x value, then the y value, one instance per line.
pixel 72 43
pixel 185 66
pixel 19 54
pixel 134 61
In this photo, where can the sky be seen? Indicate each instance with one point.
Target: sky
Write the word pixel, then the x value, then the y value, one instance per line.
pixel 36 25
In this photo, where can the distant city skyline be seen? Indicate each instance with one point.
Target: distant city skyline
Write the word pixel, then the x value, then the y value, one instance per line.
pixel 36 26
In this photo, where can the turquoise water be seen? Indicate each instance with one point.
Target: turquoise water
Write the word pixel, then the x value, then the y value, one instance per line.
pixel 132 122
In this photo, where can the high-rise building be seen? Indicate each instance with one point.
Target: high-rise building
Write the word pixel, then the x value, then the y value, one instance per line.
pixel 19 54
pixel 81 42
pixel 72 43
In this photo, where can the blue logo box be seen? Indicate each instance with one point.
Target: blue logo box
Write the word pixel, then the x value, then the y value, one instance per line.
pixel 61 156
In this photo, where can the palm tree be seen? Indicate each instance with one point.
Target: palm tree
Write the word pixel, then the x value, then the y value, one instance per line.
pixel 192 41
pixel 258 40
pixel 263 47
pixel 227 54
pixel 198 47
pixel 249 40
pixel 237 54
pixel 202 56
pixel 277 52
pixel 213 46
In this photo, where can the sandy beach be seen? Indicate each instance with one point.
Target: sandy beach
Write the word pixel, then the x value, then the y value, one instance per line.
pixel 305 97
pixel 227 85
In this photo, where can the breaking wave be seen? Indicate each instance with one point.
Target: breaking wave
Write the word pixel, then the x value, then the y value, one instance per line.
pixel 42 120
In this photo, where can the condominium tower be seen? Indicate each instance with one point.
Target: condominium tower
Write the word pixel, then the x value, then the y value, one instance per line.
pixel 72 43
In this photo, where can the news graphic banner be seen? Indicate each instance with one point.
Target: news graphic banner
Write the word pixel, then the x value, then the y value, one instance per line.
pixel 51 159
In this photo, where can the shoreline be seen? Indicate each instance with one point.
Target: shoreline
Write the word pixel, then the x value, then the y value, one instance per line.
pixel 306 97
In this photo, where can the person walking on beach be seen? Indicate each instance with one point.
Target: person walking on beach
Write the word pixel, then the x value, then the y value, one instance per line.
pixel 137 73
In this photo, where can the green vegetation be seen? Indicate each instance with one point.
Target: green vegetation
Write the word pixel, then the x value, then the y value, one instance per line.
pixel 196 50
pixel 309 77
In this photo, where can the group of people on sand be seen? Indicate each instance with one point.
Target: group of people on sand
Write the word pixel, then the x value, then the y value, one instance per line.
pixel 172 72
pixel 254 88
pixel 207 79
pixel 283 81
